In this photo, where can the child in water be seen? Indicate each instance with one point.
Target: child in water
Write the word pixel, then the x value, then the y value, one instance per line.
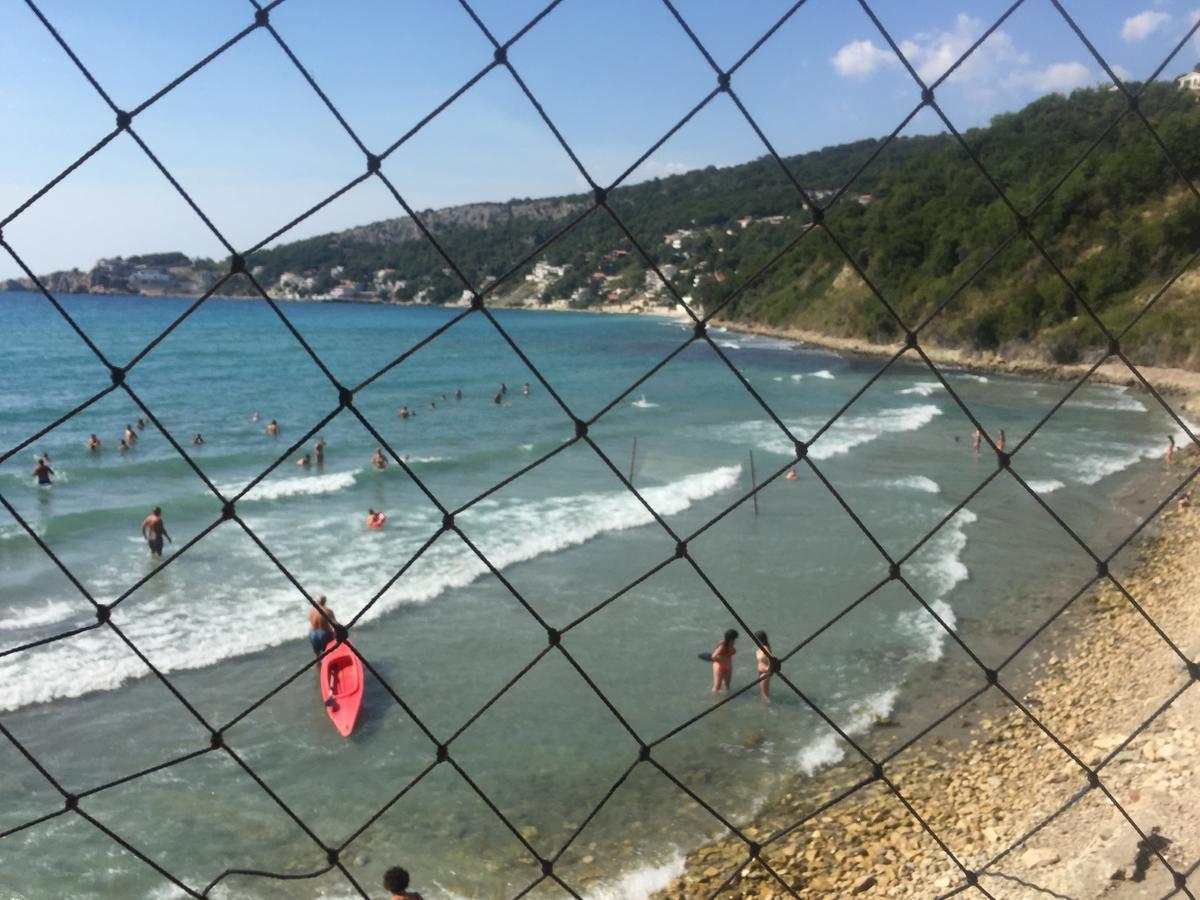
pixel 722 661
pixel 764 656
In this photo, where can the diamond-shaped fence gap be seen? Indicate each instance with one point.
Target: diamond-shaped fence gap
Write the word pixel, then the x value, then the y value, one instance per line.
pixel 1134 41
pixel 288 736
pixel 431 614
pixel 568 534
pixel 114 203
pixel 464 409
pixel 350 51
pixel 968 563
pixel 1083 661
pixel 1118 257
pixel 198 834
pixel 1086 851
pixel 479 137
pixel 72 852
pixel 623 849
pixel 448 839
pixel 917 232
pixel 882 697
pixel 210 396
pixel 1096 454
pixel 197 132
pixel 90 516
pixel 612 132
pixel 1165 329
pixel 60 137
pixel 1160 599
pixel 565 740
pixel 963 788
pixel 165 45
pixel 102 731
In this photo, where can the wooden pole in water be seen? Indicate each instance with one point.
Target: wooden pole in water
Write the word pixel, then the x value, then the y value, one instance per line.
pixel 753 483
pixel 632 459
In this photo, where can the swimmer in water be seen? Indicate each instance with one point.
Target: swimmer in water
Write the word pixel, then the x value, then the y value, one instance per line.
pixel 763 655
pixel 375 518
pixel 272 428
pixel 525 389
pixel 1169 456
pixel 320 627
pixel 458 394
pixel 404 412
pixel 791 475
pixel 379 461
pixel 122 447
pixel 141 423
pixel 319 451
pixel 722 661
pixel 1001 442
pixel 130 435
pixel 499 398
pixel 153 530
pixel 303 461
pixel 42 472
pixel 197 439
pixel 255 417
pixel 93 442
pixel 503 388
pixel 975 439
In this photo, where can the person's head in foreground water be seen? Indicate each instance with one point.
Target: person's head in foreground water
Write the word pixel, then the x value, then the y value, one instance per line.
pixel 395 882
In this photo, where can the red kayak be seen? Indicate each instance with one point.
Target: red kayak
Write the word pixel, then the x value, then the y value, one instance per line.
pixel 342 686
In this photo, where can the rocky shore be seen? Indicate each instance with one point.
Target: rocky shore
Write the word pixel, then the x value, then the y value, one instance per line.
pixel 989 775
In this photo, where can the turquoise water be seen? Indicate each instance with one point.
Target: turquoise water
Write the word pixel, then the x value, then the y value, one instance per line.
pixel 227 627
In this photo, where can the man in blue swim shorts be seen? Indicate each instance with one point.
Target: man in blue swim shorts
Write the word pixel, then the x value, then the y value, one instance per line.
pixel 320 622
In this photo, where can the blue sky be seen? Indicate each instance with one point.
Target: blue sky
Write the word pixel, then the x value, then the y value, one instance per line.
pixel 255 147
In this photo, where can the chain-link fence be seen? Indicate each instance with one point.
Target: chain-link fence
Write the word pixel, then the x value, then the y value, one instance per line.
pixel 441 749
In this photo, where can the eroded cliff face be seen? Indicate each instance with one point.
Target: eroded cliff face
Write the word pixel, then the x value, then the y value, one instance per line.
pixel 472 215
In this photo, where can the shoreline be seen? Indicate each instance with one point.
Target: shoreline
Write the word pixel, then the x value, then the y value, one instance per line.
pixel 987 774
pixel 1182 383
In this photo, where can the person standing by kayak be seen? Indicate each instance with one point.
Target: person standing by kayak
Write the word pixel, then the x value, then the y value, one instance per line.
pixel 153 530
pixel 320 624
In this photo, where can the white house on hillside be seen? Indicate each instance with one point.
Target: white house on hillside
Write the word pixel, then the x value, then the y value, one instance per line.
pixel 1189 82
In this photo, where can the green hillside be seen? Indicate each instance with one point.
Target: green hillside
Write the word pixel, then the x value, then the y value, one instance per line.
pixel 1118 227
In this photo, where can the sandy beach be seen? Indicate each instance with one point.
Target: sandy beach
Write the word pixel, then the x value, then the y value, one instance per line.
pixel 988 775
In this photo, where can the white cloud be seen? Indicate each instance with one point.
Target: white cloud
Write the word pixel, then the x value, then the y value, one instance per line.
pixel 1144 24
pixel 931 54
pixel 1121 72
pixel 858 59
pixel 1059 77
pixel 655 168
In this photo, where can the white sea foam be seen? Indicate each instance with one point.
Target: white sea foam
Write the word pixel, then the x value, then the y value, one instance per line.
pixel 796 376
pixel 1045 486
pixel 641 882
pixel 971 376
pixel 295 486
pixel 1115 402
pixel 509 533
pixel 824 373
pixel 842 437
pixel 642 403
pixel 829 748
pixel 48 613
pixel 938 566
pixel 729 345
pixel 923 388
pixel 913 483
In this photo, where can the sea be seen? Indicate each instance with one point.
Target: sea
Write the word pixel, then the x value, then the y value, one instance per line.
pixel 543 738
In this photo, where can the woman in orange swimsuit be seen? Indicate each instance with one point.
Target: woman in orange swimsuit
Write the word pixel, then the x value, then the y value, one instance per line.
pixel 763 656
pixel 722 661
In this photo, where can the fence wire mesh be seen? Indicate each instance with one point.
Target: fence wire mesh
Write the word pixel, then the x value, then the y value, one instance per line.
pixel 441 745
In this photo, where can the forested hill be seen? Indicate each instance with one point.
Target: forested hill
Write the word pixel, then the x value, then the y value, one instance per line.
pixel 919 220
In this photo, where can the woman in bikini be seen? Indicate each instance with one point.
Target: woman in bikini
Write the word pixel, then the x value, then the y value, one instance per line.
pixel 764 656
pixel 722 661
